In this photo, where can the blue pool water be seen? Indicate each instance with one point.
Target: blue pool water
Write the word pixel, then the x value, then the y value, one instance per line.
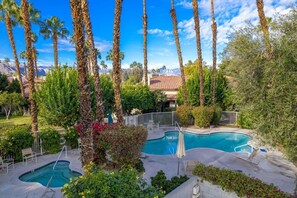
pixel 61 174
pixel 221 141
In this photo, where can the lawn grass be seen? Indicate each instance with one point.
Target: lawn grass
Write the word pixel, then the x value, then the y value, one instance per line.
pixel 14 121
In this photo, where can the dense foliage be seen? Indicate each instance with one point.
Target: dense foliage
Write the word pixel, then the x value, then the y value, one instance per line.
pixel 224 96
pixel 184 114
pixel 51 140
pixel 160 182
pixel 241 184
pixel 58 97
pixel 203 116
pixel 5 85
pixel 99 183
pixel 16 139
pixel 137 96
pixel 266 84
pixel 71 137
pixel 217 115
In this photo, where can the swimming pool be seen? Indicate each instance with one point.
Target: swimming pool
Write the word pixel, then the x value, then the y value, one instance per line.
pixel 225 141
pixel 61 174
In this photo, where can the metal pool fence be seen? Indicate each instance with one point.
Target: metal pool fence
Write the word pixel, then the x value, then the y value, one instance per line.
pixel 169 118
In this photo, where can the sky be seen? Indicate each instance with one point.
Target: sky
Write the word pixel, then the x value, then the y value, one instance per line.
pixel 229 14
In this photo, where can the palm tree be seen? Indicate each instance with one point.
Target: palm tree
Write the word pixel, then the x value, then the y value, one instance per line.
pixel 198 42
pixel 214 53
pixel 94 54
pixel 9 14
pixel 34 39
pixel 145 43
pixel 23 56
pixel 103 65
pixel 83 79
pixel 28 33
pixel 117 62
pixel 180 58
pixel 54 28
pixel 260 6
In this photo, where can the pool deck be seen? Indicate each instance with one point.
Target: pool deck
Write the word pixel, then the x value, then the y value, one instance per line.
pixel 12 187
pixel 270 167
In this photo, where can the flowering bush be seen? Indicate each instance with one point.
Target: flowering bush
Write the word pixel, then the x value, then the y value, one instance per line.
pixel 99 183
pixel 135 111
pixel 184 114
pixel 124 144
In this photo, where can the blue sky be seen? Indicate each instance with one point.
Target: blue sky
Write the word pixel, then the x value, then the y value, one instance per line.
pixel 230 14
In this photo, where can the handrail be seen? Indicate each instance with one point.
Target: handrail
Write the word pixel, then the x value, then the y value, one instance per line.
pixel 64 147
pixel 177 125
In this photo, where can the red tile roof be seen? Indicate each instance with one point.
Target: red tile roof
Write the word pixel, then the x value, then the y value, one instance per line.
pixel 165 83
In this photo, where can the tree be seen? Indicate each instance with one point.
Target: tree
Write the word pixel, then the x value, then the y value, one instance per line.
pixel 34 53
pixel 9 12
pixel 144 17
pixel 160 100
pixel 266 87
pixel 109 56
pixel 103 65
pixel 27 28
pixel 58 97
pixel 180 58
pixel 3 82
pixel 94 54
pixel 260 7
pixel 23 56
pixel 83 80
pixel 199 51
pixel 14 86
pixel 54 28
pixel 214 53
pixel 7 60
pixel 116 57
pixel 10 100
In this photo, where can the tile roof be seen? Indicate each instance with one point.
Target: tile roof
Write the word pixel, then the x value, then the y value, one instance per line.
pixel 165 83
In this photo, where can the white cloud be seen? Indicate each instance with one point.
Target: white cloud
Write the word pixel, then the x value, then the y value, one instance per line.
pixel 157 32
pixel 185 4
pixel 230 14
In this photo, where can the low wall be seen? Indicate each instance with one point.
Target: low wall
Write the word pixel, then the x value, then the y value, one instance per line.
pixel 207 190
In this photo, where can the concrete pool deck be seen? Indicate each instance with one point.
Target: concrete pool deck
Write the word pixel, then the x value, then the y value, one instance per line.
pixel 12 187
pixel 270 167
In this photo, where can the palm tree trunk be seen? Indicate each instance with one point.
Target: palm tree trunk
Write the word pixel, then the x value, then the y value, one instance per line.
pixel 260 6
pixel 180 58
pixel 145 43
pixel 117 62
pixel 93 56
pixel 25 69
pixel 55 40
pixel 35 61
pixel 199 52
pixel 17 63
pixel 84 85
pixel 27 28
pixel 214 54
pixel 89 65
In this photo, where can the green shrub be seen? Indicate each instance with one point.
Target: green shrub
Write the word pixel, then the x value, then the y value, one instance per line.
pixel 160 182
pixel 203 116
pixel 184 114
pixel 17 138
pixel 124 143
pixel 50 140
pixel 217 115
pixel 245 120
pixel 99 183
pixel 71 137
pixel 241 184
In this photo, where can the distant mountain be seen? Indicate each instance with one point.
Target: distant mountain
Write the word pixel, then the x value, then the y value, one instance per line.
pixel 168 72
pixel 10 70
